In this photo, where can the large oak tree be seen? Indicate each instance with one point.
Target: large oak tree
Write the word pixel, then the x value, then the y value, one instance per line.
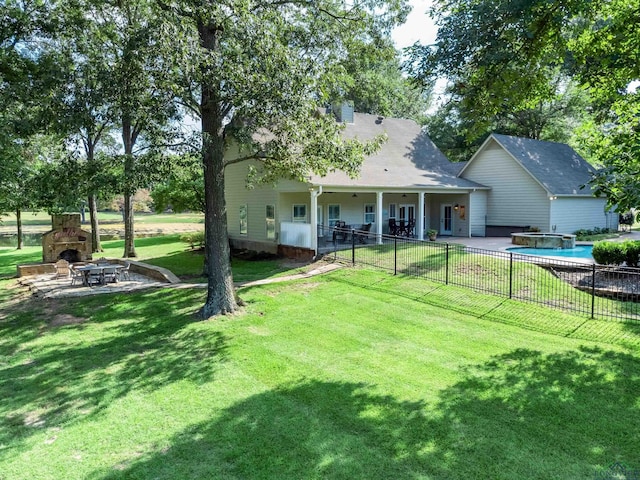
pixel 255 72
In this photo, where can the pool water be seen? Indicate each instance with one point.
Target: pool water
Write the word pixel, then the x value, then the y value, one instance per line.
pixel 580 251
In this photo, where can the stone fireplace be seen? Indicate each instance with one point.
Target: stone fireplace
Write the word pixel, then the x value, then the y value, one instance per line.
pixel 66 240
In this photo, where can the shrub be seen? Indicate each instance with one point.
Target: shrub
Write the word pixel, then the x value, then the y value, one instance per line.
pixel 194 239
pixel 632 253
pixel 608 253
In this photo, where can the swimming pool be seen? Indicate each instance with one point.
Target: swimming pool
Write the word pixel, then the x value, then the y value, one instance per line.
pixel 580 251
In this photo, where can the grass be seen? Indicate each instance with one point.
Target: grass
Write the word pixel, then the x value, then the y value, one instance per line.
pixel 44 219
pixel 354 374
pixel 163 251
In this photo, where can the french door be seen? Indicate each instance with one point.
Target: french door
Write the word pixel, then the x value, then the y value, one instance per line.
pixel 446 219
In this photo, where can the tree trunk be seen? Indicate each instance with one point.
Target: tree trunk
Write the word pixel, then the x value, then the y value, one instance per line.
pixel 19 225
pixel 129 232
pixel 95 227
pixel 129 191
pixel 220 291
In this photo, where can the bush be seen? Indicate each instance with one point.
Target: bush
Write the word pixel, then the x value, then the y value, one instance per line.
pixel 632 253
pixel 194 239
pixel 609 253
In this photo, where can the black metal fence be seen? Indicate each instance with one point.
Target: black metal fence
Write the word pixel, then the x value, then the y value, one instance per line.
pixel 606 292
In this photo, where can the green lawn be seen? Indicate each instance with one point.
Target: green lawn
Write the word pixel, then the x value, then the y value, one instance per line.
pixel 43 218
pixel 356 374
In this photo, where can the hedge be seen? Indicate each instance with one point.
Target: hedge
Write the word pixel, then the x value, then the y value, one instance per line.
pixel 609 253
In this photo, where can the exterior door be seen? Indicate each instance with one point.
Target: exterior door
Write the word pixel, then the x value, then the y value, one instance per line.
pixel 446 219
pixel 407 212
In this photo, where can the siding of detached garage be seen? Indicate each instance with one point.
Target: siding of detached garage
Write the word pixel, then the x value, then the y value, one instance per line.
pixel 571 214
pixel 515 198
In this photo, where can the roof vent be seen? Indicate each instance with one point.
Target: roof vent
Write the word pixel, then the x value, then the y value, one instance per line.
pixel 379 120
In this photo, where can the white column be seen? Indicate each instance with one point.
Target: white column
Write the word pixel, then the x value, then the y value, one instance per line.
pixel 468 215
pixel 314 219
pixel 379 217
pixel 420 215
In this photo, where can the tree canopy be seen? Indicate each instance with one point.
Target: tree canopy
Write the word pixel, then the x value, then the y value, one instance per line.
pixel 503 56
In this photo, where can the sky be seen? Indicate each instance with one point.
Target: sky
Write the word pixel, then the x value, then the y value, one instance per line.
pixel 418 27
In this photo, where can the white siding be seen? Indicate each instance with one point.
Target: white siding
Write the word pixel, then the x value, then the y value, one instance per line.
pixel 571 214
pixel 515 198
pixel 478 212
pixel 236 194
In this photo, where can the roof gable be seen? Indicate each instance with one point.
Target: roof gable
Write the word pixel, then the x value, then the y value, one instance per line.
pixel 555 166
pixel 407 159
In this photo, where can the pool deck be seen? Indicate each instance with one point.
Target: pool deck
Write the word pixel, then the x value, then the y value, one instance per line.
pixel 503 243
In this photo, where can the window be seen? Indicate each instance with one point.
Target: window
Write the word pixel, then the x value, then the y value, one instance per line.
pixel 300 213
pixel 393 210
pixel 243 219
pixel 270 214
pixel 369 213
pixel 334 214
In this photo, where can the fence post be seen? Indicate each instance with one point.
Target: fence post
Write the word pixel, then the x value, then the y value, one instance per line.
pixel 593 290
pixel 395 255
pixel 510 274
pixel 353 246
pixel 446 262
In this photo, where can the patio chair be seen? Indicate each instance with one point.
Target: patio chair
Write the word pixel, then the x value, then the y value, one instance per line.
pixel 95 277
pixel 393 227
pixel 62 269
pixel 110 275
pixel 411 225
pixel 340 230
pixel 77 276
pixel 363 233
pixel 102 261
pixel 124 272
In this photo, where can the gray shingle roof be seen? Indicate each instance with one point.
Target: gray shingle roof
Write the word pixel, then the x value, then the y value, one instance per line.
pixel 556 166
pixel 407 159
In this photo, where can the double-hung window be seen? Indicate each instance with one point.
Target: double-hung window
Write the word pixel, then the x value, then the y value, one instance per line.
pixel 299 213
pixel 243 220
pixel 369 213
pixel 333 214
pixel 270 216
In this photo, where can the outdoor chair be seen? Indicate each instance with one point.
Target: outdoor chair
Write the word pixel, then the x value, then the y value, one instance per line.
pixel 411 225
pixel 102 261
pixel 110 275
pixel 393 227
pixel 340 230
pixel 124 272
pixel 95 277
pixel 62 269
pixel 363 233
pixel 76 276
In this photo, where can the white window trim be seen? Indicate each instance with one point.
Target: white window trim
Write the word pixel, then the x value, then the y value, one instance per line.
pixel 299 219
pixel 334 220
pixel 372 212
pixel 246 219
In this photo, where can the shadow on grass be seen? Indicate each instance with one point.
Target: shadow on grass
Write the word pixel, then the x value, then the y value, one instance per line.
pixel 52 377
pixel 523 414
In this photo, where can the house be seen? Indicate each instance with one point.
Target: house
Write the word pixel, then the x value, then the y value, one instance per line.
pixel 409 178
pixel 536 184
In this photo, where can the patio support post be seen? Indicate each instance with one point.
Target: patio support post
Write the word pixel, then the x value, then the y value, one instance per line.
pixel 314 217
pixel 379 218
pixel 420 215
